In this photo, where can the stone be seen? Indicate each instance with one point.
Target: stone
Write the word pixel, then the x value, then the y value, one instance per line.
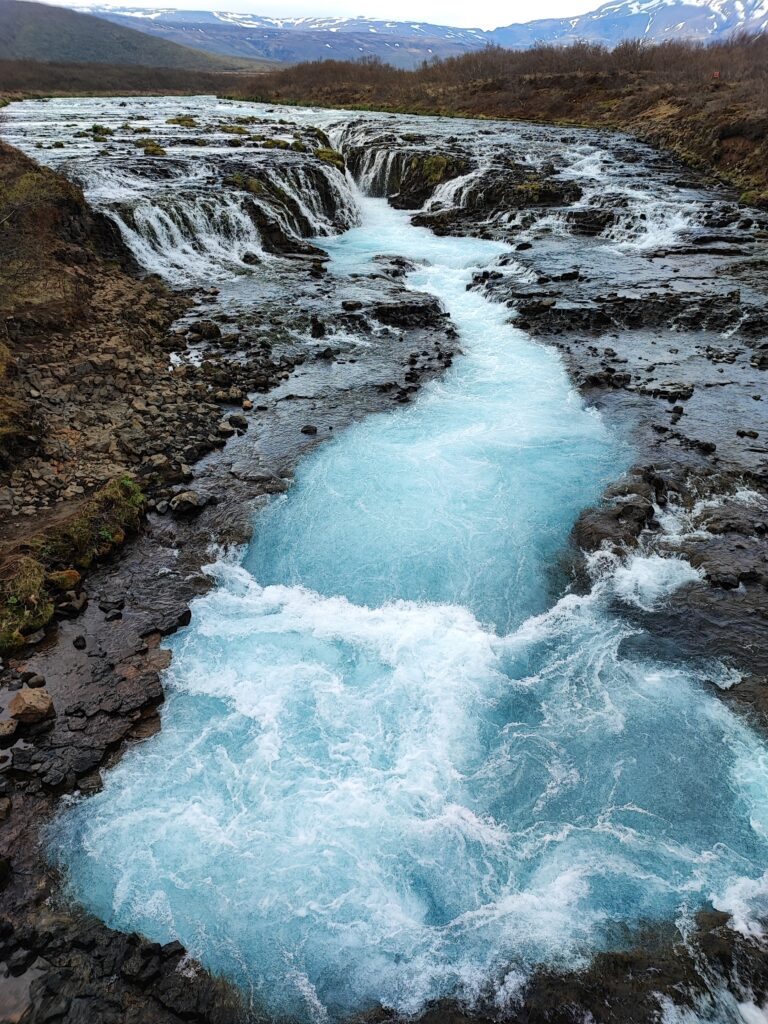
pixel 79 643
pixel 238 421
pixel 19 961
pixel 65 579
pixel 29 706
pixel 188 503
pixel 207 329
pixel 309 428
pixel 7 729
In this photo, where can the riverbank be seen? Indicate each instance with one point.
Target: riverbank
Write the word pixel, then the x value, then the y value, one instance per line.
pixel 113 646
pixel 27 79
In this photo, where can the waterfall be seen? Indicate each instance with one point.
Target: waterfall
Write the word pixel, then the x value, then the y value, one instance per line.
pixel 186 233
pixel 185 238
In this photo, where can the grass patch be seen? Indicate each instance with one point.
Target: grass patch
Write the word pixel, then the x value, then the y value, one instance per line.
pixel 25 605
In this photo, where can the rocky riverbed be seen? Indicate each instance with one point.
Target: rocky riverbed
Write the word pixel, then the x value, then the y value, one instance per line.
pixel 651 285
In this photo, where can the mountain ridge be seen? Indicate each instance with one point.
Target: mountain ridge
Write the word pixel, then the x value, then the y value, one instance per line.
pixel 406 44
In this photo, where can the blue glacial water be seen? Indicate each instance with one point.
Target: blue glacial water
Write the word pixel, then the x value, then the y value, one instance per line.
pixel 393 765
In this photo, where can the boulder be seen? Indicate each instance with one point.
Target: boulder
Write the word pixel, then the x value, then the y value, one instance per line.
pixel 29 706
pixel 188 503
pixel 238 421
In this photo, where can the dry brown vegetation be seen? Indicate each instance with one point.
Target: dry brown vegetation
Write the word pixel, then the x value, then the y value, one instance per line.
pixel 707 103
pixel 20 79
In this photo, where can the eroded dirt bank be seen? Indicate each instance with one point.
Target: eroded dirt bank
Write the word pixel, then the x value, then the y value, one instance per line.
pixel 648 340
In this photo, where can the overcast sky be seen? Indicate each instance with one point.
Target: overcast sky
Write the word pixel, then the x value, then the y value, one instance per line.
pixel 489 14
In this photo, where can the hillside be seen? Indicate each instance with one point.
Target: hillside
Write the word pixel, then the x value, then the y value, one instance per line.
pixel 299 39
pixel 408 44
pixel 36 32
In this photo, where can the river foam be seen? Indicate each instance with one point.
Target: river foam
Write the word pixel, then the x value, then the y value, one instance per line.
pixel 393 767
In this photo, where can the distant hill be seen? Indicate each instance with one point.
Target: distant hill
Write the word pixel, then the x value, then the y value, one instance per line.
pixel 36 32
pixel 402 44
pixel 406 44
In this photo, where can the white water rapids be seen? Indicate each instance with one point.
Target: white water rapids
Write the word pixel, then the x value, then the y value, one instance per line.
pixel 393 767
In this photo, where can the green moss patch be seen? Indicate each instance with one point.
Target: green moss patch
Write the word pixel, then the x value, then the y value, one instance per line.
pixel 25 605
pixel 49 562
pixel 331 156
pixel 151 147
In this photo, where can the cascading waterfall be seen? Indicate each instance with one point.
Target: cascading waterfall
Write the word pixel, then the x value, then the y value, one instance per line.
pixel 387 772
pixel 183 237
pixel 185 234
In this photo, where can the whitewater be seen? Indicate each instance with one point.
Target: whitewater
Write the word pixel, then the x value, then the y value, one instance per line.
pixel 401 758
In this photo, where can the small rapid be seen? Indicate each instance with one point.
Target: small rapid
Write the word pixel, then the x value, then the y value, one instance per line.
pixel 398 760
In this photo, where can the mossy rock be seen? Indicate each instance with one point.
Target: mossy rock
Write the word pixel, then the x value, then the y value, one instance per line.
pixel 321 137
pixel 98 528
pixel 184 120
pixel 248 184
pixel 331 156
pixel 25 605
pixel 44 565
pixel 437 168
pixel 151 147
pixel 755 197
pixel 63 580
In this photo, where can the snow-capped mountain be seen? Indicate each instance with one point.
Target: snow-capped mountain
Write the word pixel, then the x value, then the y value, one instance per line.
pixel 405 44
pixel 654 20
